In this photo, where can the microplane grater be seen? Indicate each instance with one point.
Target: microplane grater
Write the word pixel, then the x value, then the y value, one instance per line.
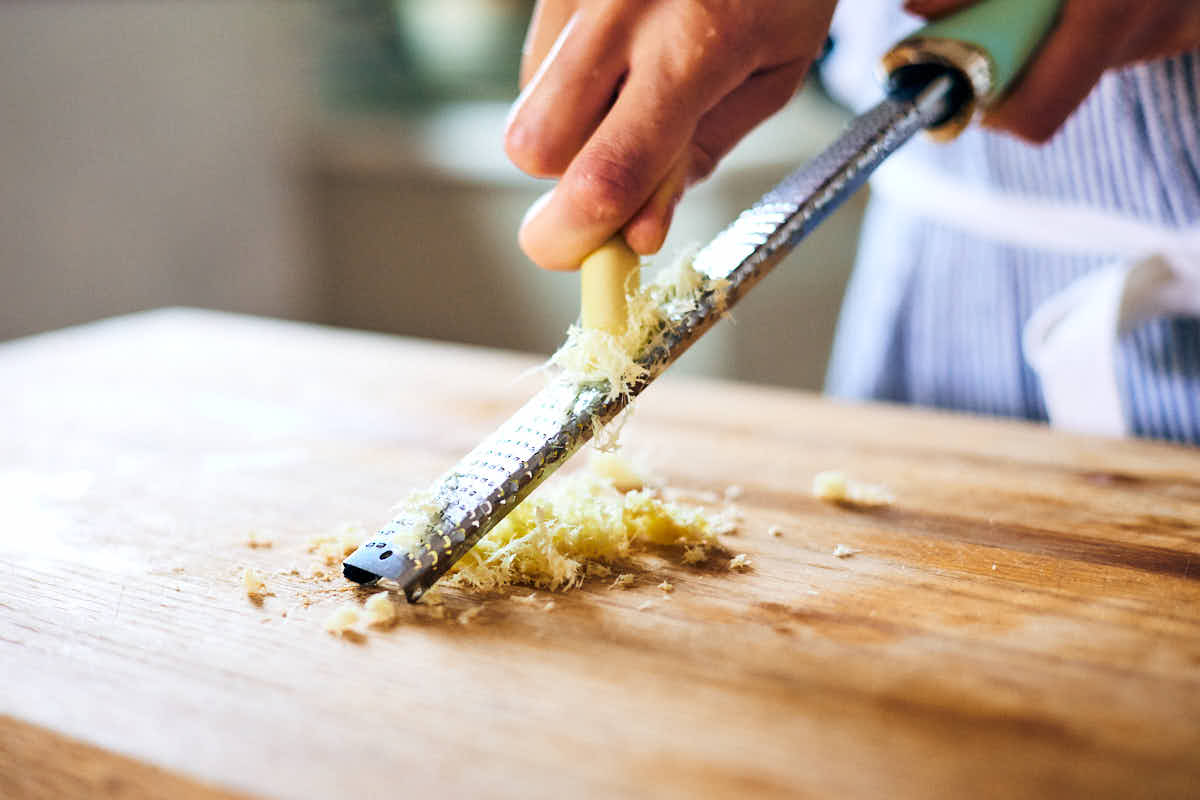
pixel 498 474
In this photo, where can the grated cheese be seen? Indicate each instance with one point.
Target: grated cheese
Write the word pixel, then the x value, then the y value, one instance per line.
pixel 844 551
pixel 833 486
pixel 595 570
pixel 740 561
pixel 470 614
pixel 253 581
pixel 594 355
pixel 344 619
pixel 667 586
pixel 331 548
pixel 624 476
pixel 623 581
pixel 577 528
pixel 380 610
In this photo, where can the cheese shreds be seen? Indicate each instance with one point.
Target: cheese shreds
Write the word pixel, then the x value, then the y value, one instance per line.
pixel 380 610
pixel 833 486
pixel 594 355
pixel 623 581
pixel 667 587
pixel 550 605
pixel 466 617
pixel 624 476
pixel 576 528
pixel 253 581
pixel 844 551
pixel 694 555
pixel 331 548
pixel 741 561
pixel 344 619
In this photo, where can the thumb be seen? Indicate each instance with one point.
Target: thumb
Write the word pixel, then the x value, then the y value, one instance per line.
pixel 932 9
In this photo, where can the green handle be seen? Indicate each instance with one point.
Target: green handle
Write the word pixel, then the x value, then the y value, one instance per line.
pixel 989 42
pixel 1009 31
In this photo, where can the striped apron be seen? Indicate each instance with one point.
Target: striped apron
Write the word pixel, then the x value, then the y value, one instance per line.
pixel 1056 283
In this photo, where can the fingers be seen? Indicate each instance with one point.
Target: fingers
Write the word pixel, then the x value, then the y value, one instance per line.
pixel 647 231
pixel 716 134
pixel 728 122
pixel 616 172
pixel 549 18
pixel 566 98
pixel 1061 74
pixel 623 106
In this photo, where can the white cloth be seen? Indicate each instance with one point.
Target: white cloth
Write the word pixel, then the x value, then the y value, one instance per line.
pixel 1071 339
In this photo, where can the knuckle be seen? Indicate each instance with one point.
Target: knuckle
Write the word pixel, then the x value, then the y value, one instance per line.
pixel 707 46
pixel 605 188
pixel 531 153
pixel 704 161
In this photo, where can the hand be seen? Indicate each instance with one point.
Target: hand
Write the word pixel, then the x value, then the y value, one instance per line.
pixel 629 102
pixel 1091 36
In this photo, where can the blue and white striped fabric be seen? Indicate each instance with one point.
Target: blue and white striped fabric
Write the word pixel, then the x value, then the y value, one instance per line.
pixel 934 314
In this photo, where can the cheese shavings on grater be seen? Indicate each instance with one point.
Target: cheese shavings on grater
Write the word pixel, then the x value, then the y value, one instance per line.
pixel 427 537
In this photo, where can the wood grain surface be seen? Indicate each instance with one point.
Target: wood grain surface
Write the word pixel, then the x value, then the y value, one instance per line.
pixel 1023 621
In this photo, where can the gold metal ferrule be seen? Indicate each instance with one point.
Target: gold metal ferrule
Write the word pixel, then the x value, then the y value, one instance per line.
pixel 972 61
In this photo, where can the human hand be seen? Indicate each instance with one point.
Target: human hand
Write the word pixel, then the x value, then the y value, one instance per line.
pixel 629 102
pixel 1091 36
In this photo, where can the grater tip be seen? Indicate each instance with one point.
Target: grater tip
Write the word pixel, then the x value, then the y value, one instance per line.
pixel 359 575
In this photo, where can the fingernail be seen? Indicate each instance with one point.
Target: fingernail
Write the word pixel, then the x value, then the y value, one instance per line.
pixel 537 207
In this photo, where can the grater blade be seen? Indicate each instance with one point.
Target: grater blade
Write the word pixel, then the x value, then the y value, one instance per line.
pixel 498 474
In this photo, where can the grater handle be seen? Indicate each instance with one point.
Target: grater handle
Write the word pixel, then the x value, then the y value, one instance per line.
pixel 989 43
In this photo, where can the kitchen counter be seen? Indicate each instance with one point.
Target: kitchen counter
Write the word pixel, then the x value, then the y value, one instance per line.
pixel 1024 620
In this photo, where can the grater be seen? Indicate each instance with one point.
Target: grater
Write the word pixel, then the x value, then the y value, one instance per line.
pixel 479 491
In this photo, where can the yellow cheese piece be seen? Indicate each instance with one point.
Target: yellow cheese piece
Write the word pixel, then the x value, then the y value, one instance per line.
pixel 380 610
pixel 253 581
pixel 606 279
pixel 344 619
pixel 833 486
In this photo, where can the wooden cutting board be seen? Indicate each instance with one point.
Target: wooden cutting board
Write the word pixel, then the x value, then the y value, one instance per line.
pixel 1024 620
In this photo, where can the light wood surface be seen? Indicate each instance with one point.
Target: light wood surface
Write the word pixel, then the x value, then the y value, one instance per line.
pixel 1024 621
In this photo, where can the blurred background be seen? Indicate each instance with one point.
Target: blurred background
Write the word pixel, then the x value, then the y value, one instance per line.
pixel 336 161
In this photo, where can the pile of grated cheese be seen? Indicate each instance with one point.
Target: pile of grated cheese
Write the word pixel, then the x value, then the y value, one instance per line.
pixel 578 527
